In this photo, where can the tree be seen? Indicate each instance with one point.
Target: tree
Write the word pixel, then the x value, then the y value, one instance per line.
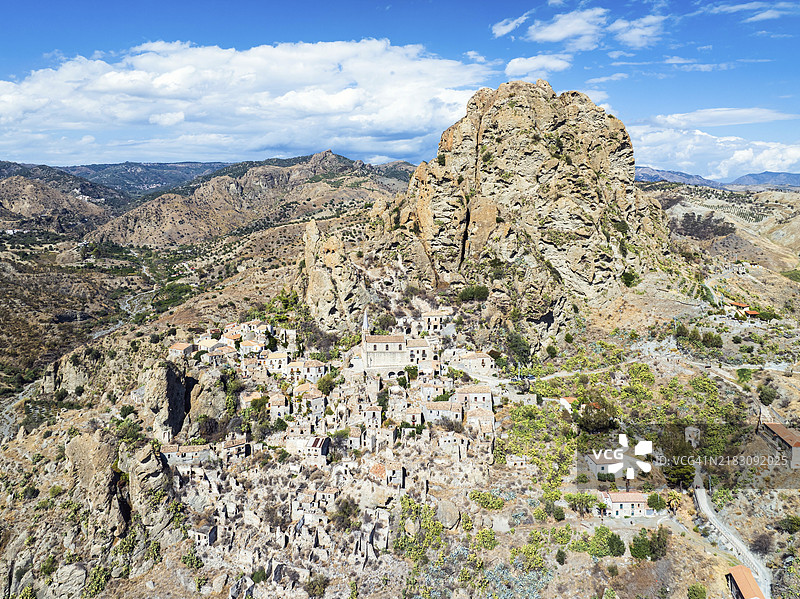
pixel 616 546
pixel 696 591
pixel 656 502
pixel 673 501
pixel 679 475
pixel 681 330
pixel 326 384
pixel 640 545
pixel 767 394
pixel 580 502
pixel 412 372
pixel 561 556
pixel 658 543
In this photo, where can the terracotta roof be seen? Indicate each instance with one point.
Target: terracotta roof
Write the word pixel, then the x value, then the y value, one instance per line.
pixel 313 364
pixel 180 346
pixel 745 582
pixel 751 312
pixel 626 497
pixel 277 355
pixel 378 471
pixel 789 436
pixel 385 338
pixel 740 305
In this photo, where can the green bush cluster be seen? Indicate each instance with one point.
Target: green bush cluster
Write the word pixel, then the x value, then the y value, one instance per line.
pixel 486 500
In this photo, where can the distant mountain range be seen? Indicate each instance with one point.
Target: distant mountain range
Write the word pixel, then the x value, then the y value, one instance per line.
pixel 765 179
pixel 647 174
pixel 769 178
pixel 140 178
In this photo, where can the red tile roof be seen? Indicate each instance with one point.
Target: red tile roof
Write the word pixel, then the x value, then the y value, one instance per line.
pixel 745 582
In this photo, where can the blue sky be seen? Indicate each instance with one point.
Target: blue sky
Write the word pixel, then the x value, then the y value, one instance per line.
pixel 707 88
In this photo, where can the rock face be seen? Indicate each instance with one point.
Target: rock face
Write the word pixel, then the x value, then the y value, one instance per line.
pixel 332 286
pixel 91 458
pixel 531 194
pixel 165 397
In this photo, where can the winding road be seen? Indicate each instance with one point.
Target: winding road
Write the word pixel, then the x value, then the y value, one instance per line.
pixel 761 573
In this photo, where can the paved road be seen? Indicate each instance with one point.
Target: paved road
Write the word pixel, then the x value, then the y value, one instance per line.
pixel 761 573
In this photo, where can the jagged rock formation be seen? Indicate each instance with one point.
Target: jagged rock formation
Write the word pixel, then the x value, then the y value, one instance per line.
pixel 332 286
pixel 164 394
pixel 531 194
pixel 91 458
pixel 270 193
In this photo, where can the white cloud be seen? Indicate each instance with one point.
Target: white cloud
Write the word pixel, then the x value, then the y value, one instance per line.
pixel 538 66
pixel 581 29
pixel 639 33
pixel 764 16
pixel 475 56
pixel 596 95
pixel 732 8
pixel 617 54
pixel 508 25
pixel 167 119
pixel 697 152
pixel 174 100
pixel 716 117
pixel 614 77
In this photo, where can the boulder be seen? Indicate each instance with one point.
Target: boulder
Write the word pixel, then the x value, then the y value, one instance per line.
pixel 448 514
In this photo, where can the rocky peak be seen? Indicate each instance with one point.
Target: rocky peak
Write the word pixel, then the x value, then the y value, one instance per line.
pixel 531 193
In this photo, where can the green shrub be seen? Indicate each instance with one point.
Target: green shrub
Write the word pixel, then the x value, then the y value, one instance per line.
pixel 485 538
pixel 477 293
pixel 561 556
pixel 192 560
pixel 316 585
pixel 486 500
pixel 98 578
pixel 630 278
pixel 696 591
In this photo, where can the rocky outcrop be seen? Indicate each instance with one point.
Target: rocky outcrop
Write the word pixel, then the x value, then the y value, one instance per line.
pixel 332 286
pixel 207 396
pixel 164 395
pixel 531 194
pixel 91 458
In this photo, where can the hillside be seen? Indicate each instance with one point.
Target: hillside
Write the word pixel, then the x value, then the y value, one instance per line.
pixel 66 183
pixel 254 195
pixel 33 204
pixel 139 178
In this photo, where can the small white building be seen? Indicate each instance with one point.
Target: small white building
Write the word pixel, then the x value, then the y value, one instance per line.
pixel 180 350
pixel 624 504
